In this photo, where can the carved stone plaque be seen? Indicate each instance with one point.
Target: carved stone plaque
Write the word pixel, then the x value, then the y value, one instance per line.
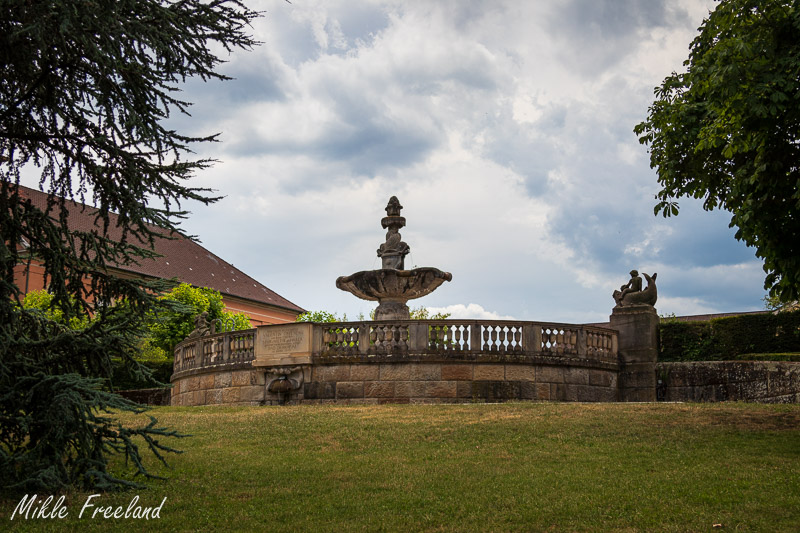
pixel 283 344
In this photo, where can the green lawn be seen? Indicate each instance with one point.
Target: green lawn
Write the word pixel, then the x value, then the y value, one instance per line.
pixel 507 467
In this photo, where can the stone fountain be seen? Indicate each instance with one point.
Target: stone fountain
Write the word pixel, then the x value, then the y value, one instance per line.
pixel 392 286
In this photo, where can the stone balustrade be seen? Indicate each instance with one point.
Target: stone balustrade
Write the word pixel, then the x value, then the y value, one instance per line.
pixel 228 348
pixel 461 339
pixel 464 338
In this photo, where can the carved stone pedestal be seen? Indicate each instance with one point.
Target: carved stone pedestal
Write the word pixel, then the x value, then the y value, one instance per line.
pixel 392 311
pixel 638 351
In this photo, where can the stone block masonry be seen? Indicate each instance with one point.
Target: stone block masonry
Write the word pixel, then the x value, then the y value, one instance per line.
pixel 231 387
pixel 638 351
pixel 403 382
pixel 446 382
pixel 719 381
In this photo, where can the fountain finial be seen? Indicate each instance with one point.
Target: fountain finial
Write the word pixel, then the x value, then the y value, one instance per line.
pixel 393 207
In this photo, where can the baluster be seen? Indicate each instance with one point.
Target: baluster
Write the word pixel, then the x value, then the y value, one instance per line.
pixel 457 336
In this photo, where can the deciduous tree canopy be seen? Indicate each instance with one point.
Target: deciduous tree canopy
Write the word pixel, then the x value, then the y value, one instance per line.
pixel 85 87
pixel 170 324
pixel 728 131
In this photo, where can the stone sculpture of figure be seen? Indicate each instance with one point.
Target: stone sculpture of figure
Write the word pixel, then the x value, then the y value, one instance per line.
pixel 634 285
pixel 202 326
pixel 393 251
pixel 633 294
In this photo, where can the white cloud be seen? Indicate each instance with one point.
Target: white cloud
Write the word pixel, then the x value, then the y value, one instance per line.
pixel 506 132
pixel 684 307
pixel 472 310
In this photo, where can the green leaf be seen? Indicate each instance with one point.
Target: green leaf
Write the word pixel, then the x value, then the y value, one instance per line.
pixel 722 130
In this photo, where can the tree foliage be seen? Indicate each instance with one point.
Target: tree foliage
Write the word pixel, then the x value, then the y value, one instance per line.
pixel 774 304
pixel 422 313
pixel 43 301
pixel 320 317
pixel 173 318
pixel 728 131
pixel 85 87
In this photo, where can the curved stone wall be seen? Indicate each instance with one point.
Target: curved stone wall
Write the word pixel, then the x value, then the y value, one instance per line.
pixel 404 362
pixel 219 385
pixel 401 382
pixel 453 381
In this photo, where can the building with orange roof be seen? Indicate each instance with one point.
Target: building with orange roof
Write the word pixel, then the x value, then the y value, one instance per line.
pixel 180 258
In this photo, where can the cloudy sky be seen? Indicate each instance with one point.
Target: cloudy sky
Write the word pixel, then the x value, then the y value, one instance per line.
pixel 504 128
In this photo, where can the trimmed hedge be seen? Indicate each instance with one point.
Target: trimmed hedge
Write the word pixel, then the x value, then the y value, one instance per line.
pixel 724 339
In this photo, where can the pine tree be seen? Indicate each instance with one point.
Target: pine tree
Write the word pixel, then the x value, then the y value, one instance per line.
pixel 85 88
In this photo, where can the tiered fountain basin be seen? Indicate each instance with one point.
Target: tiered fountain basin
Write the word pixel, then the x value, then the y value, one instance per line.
pixel 399 361
pixel 393 288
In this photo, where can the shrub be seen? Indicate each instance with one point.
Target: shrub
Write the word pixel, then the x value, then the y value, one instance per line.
pixel 728 338
pixel 174 320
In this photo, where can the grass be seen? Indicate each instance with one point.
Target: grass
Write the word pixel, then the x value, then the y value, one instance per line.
pixel 507 467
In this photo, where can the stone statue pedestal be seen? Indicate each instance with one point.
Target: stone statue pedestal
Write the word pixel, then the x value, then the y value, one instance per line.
pixel 638 351
pixel 392 311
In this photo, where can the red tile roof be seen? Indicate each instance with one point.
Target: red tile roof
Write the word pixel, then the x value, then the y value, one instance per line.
pixel 181 258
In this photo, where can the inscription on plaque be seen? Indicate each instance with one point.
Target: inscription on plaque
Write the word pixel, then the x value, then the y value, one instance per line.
pixel 283 340
pixel 275 344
